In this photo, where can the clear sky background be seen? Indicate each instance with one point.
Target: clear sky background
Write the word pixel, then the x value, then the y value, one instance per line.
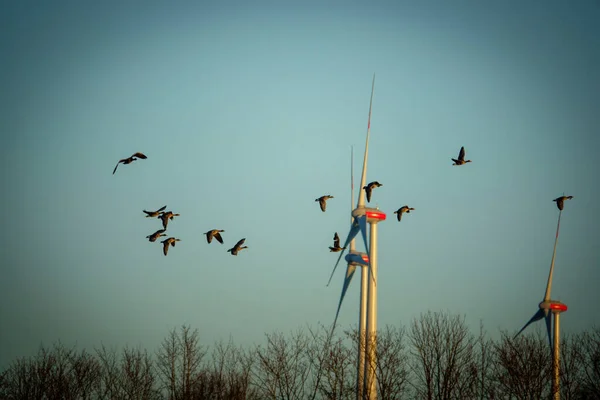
pixel 247 114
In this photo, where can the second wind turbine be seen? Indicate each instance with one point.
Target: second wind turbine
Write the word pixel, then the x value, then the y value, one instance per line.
pixel 362 215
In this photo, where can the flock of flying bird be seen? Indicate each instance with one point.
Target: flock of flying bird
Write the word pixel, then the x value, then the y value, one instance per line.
pixel 369 189
pixel 166 216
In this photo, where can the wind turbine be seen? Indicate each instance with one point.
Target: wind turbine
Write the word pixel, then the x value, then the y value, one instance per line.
pixel 361 215
pixel 548 307
pixel 356 259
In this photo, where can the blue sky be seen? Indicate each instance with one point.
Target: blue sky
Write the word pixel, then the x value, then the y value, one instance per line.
pixel 247 114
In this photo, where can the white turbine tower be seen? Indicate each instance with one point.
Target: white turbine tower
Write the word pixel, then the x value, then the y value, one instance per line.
pixel 555 307
pixel 361 215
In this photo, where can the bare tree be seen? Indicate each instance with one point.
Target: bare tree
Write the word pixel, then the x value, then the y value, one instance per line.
pixel 479 383
pixel 443 355
pixel 167 363
pixel 192 354
pixel 391 363
pixel 21 381
pixel 590 351
pixel 240 384
pixel 56 373
pixel 136 375
pixel 572 364
pixel 110 379
pixel 87 374
pixel 227 377
pixel 523 367
pixel 331 365
pixel 179 361
pixel 282 369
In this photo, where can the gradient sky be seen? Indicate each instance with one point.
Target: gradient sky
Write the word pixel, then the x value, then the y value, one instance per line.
pixel 247 114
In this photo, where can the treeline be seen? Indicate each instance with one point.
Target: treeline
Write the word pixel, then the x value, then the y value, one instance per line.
pixel 434 357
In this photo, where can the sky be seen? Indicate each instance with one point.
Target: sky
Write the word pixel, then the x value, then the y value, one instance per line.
pixel 247 113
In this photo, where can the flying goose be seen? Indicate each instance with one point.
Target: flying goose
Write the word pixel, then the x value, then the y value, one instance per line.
pixel 156 235
pixel 401 210
pixel 170 241
pixel 560 201
pixel 238 246
pixel 152 214
pixel 369 188
pixel 214 233
pixel 323 201
pixel 129 160
pixel 336 244
pixel 165 216
pixel 461 157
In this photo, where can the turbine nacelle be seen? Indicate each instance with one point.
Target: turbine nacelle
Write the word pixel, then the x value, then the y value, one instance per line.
pixel 374 215
pixel 356 258
pixel 553 305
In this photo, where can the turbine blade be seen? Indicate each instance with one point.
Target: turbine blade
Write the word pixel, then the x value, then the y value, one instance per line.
pixel 349 274
pixel 536 317
pixel 549 283
pixel 548 318
pixel 363 179
pixel 353 232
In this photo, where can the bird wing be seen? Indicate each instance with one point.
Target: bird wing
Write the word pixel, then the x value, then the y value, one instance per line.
pixel 139 155
pixel 161 209
pixel 368 192
pixel 560 203
pixel 165 247
pixel 461 154
pixel 165 221
pixel 116 166
pixel 208 236
pixel 218 237
pixel 336 240
pixel 241 242
pixel 323 204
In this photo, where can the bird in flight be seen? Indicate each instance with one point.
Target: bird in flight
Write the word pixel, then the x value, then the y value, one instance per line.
pixel 214 233
pixel 170 241
pixel 238 246
pixel 129 160
pixel 323 201
pixel 165 216
pixel 156 235
pixel 369 188
pixel 401 210
pixel 151 214
pixel 560 201
pixel 336 244
pixel 461 157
